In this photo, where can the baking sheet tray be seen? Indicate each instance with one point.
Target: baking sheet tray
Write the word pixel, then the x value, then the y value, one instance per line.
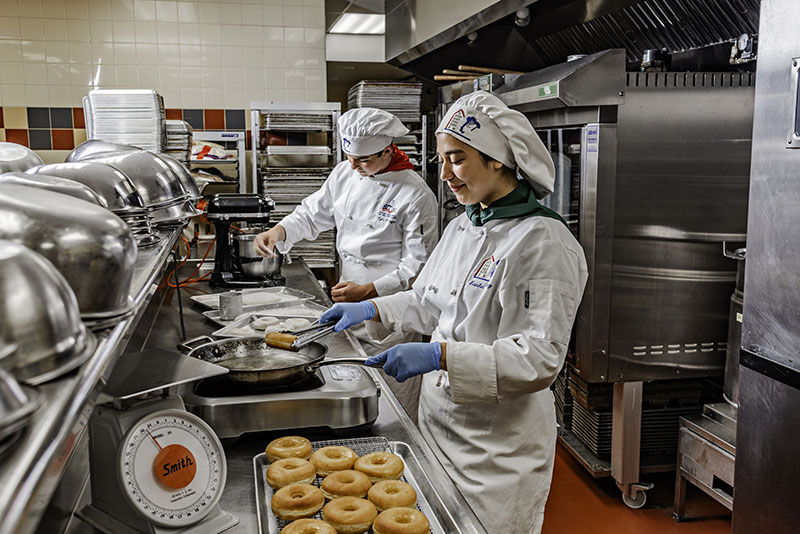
pixel 268 523
pixel 292 308
pixel 241 326
pixel 286 294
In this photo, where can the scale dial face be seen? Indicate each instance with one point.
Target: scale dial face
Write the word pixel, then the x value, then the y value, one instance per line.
pixel 172 468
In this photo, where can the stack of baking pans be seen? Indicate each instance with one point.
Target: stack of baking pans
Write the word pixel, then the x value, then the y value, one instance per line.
pixel 318 253
pixel 402 99
pixel 179 141
pixel 128 116
pixel 17 404
pixel 290 185
pixel 298 121
pixel 140 223
pixel 563 398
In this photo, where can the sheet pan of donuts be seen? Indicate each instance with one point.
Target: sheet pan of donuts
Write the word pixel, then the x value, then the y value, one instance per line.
pixel 260 324
pixel 339 487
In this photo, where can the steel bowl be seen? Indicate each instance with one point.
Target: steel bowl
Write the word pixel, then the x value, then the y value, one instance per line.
pixel 39 313
pixel 109 183
pixel 250 262
pixel 56 184
pixel 95 147
pixel 17 158
pixel 154 179
pixel 90 246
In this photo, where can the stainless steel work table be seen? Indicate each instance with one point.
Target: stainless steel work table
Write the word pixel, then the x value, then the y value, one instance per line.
pixel 392 423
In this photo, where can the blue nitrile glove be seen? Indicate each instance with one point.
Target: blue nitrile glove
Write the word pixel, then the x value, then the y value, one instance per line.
pixel 409 359
pixel 349 314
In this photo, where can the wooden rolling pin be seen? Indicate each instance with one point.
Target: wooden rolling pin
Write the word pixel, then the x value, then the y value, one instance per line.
pixel 452 78
pixel 488 70
pixel 460 72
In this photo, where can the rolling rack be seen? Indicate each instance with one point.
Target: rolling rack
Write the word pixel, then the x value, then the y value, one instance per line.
pixel 288 167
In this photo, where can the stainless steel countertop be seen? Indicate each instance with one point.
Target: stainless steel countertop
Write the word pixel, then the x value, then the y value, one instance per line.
pixel 392 423
pixel 30 471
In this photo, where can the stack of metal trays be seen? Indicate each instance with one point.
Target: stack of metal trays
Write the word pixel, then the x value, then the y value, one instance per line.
pixel 179 141
pixel 141 224
pixel 563 398
pixel 128 116
pixel 318 253
pixel 290 185
pixel 298 121
pixel 17 405
pixel 402 99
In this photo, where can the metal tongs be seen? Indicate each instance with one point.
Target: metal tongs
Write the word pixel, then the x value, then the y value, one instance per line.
pixel 297 339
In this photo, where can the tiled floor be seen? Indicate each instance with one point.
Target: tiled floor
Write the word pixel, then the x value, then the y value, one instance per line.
pixel 580 504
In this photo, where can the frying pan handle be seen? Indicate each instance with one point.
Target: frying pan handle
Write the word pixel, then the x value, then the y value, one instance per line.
pixel 346 361
pixel 191 344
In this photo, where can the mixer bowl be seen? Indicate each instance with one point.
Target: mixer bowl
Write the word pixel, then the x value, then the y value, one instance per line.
pixel 250 263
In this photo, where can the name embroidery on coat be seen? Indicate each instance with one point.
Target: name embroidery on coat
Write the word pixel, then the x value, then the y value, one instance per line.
pixel 483 276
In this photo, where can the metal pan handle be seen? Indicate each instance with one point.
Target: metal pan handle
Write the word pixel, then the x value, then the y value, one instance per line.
pixel 343 361
pixel 190 344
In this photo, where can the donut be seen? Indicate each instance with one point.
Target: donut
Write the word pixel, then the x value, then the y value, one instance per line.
pixel 401 521
pixel 290 471
pixel 308 526
pixel 288 447
pixel 296 501
pixel 346 484
pixel 262 322
pixel 333 458
pixel 388 494
pixel 380 466
pixel 296 323
pixel 350 515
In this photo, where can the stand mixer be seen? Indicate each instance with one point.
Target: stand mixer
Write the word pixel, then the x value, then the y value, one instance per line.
pixel 235 263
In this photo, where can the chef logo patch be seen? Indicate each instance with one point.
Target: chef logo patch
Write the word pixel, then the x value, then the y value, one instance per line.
pixel 345 143
pixel 461 124
pixel 387 213
pixel 483 276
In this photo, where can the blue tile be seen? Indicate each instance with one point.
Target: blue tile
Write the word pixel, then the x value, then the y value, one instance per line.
pixel 40 139
pixel 38 117
pixel 234 119
pixel 194 117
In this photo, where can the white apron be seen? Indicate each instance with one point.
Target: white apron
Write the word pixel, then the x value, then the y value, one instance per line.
pixel 504 297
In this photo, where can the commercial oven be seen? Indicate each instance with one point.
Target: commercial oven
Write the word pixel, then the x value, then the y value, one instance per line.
pixel 652 172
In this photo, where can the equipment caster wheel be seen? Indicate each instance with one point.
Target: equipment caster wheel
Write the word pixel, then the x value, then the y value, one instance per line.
pixel 636 501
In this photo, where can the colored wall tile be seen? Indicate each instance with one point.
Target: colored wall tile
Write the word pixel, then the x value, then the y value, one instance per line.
pixel 78 120
pixel 174 114
pixel 40 139
pixel 194 117
pixel 1 119
pixel 78 136
pixel 234 119
pixel 61 117
pixel 17 136
pixel 39 118
pixel 62 139
pixel 214 119
pixel 15 117
pixel 2 136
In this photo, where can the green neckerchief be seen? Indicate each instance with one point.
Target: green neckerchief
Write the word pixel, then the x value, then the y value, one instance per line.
pixel 520 203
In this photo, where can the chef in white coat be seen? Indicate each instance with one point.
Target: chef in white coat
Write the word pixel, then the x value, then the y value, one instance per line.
pixel 385 216
pixel 499 296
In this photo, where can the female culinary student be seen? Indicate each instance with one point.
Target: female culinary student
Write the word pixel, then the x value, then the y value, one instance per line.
pixel 499 296
pixel 385 216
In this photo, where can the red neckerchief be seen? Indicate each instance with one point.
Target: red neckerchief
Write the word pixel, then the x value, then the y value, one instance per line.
pixel 399 161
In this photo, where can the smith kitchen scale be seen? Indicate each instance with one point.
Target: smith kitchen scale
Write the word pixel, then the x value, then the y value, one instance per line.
pixel 154 467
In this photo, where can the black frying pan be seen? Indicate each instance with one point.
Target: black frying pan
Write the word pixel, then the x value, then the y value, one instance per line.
pixel 255 365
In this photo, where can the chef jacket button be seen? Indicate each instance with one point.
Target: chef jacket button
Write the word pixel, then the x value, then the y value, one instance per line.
pixel 350 217
pixel 369 225
pixel 454 292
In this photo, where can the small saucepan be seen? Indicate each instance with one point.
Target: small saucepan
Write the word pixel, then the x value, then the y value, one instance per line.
pixel 253 364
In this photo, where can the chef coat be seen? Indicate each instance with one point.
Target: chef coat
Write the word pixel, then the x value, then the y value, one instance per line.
pixel 386 225
pixel 503 296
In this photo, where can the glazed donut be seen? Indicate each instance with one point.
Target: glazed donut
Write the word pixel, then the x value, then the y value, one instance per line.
pixel 308 526
pixel 296 501
pixel 328 460
pixel 288 447
pixel 290 471
pixel 350 515
pixel 401 521
pixel 346 484
pixel 388 494
pixel 380 466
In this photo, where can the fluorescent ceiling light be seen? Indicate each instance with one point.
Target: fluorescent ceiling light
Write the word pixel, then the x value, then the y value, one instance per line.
pixel 361 23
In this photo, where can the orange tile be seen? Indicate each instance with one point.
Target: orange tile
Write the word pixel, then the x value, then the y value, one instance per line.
pixel 17 136
pixel 62 139
pixel 77 118
pixel 214 119
pixel 174 114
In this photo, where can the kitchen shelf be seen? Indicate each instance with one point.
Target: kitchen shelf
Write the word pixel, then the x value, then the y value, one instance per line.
pixel 32 467
pixel 239 161
pixel 299 150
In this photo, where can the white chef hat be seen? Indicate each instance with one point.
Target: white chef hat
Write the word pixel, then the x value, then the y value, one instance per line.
pixel 485 123
pixel 367 131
